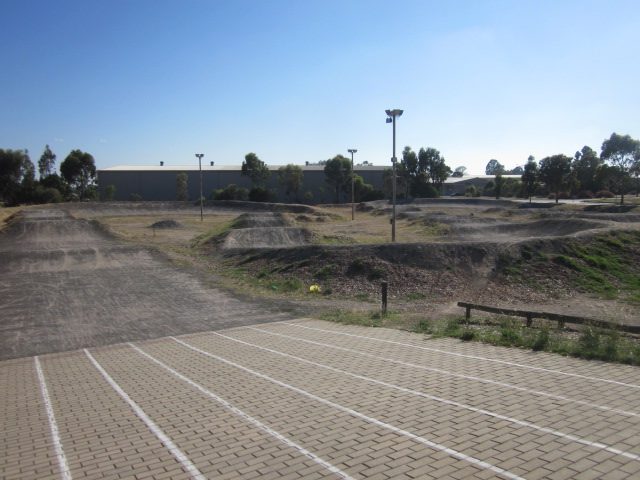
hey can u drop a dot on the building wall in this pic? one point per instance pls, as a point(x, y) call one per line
point(159, 183)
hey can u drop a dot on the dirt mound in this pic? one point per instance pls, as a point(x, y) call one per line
point(505, 231)
point(46, 229)
point(267, 237)
point(265, 230)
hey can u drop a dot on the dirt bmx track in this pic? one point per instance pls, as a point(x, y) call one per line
point(66, 284)
point(158, 376)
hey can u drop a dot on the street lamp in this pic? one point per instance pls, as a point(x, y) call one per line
point(391, 118)
point(200, 155)
point(353, 205)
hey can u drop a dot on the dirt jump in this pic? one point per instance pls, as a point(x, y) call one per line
point(67, 284)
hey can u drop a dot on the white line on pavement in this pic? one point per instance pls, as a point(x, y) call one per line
point(453, 374)
point(473, 357)
point(175, 451)
point(393, 428)
point(62, 459)
point(247, 417)
point(523, 423)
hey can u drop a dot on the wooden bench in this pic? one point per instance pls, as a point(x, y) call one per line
point(560, 318)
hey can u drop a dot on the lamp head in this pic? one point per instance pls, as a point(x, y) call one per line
point(389, 120)
point(394, 113)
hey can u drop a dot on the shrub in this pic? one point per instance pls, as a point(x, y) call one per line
point(259, 194)
point(564, 196)
point(605, 194)
point(232, 192)
point(47, 195)
point(134, 197)
point(584, 194)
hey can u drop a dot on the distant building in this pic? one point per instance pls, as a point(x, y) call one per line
point(158, 183)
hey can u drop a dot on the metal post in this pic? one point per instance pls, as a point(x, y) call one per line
point(384, 297)
point(353, 205)
point(391, 118)
point(200, 155)
point(393, 160)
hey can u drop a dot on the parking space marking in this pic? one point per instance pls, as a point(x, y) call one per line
point(247, 417)
point(454, 453)
point(175, 451)
point(453, 374)
point(556, 433)
point(339, 406)
point(472, 357)
point(55, 436)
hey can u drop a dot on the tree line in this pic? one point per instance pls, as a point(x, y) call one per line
point(587, 175)
point(18, 183)
point(418, 175)
point(339, 177)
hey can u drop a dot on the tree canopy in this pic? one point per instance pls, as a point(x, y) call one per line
point(79, 171)
point(47, 162)
point(290, 177)
point(338, 173)
point(530, 178)
point(494, 167)
point(459, 172)
point(16, 176)
point(257, 171)
point(554, 171)
point(623, 154)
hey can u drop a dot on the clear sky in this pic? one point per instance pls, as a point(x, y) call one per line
point(136, 82)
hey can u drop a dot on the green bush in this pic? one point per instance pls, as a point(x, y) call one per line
point(232, 192)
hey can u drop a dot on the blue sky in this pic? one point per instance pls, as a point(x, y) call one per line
point(137, 82)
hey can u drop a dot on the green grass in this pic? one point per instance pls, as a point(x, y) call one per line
point(606, 265)
point(365, 319)
point(591, 343)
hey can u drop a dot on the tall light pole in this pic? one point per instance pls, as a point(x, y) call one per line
point(200, 155)
point(353, 205)
point(391, 118)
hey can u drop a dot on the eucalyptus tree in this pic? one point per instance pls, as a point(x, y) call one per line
point(622, 153)
point(554, 171)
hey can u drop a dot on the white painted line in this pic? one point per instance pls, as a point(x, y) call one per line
point(453, 374)
point(175, 451)
point(523, 423)
point(375, 421)
point(247, 417)
point(55, 435)
point(473, 357)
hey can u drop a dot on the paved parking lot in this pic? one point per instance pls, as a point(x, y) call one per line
point(311, 399)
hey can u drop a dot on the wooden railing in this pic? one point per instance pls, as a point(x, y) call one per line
point(560, 318)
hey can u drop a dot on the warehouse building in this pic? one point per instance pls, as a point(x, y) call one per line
point(158, 183)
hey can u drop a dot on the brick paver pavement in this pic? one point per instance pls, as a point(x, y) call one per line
point(311, 399)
